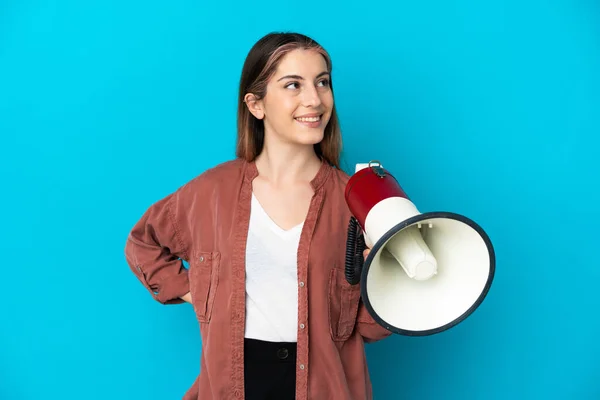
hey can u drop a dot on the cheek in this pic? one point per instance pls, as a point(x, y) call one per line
point(327, 100)
point(287, 107)
point(280, 114)
point(281, 105)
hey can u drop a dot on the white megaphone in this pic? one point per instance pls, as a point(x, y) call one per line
point(426, 272)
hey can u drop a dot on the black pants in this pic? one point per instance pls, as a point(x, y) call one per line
point(269, 370)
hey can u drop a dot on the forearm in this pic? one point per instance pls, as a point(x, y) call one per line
point(155, 250)
point(370, 330)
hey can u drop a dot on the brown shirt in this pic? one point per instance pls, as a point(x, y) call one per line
point(205, 222)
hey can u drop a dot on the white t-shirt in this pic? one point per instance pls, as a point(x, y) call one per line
point(271, 278)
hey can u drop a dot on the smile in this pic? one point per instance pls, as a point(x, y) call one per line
point(309, 119)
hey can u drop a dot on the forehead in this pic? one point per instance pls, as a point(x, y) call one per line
point(302, 62)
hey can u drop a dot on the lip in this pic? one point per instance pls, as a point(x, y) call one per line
point(309, 115)
point(311, 124)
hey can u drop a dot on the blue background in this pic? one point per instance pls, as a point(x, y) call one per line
point(490, 109)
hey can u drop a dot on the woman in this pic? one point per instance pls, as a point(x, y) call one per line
point(264, 236)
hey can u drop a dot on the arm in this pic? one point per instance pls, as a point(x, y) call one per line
point(154, 250)
point(370, 330)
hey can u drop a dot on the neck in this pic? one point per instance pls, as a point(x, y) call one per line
point(283, 165)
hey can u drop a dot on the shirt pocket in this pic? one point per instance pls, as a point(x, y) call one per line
point(204, 280)
point(343, 301)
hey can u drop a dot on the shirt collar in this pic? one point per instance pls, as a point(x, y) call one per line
point(319, 179)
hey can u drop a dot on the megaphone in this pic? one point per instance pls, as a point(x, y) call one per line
point(426, 272)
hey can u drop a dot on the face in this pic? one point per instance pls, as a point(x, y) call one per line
point(299, 101)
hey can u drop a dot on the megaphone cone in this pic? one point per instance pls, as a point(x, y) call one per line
point(426, 272)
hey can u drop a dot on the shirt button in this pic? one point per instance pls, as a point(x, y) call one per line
point(201, 258)
point(301, 284)
point(301, 326)
point(301, 366)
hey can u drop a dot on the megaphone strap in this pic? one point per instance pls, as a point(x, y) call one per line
point(377, 168)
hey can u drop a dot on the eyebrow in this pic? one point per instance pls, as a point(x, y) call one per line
point(299, 77)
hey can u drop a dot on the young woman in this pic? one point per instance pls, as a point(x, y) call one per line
point(264, 235)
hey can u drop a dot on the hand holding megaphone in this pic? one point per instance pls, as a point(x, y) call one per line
point(420, 273)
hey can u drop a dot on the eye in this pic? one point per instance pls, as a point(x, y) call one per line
point(324, 82)
point(290, 84)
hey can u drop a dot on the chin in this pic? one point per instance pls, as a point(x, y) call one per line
point(309, 137)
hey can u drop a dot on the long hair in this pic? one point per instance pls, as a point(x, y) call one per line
point(259, 66)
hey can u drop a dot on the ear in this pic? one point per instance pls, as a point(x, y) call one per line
point(254, 105)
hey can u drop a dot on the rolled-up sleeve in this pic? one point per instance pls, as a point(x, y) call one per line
point(368, 328)
point(154, 251)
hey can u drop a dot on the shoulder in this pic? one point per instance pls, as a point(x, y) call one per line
point(226, 170)
point(335, 189)
point(223, 175)
point(341, 176)
point(338, 178)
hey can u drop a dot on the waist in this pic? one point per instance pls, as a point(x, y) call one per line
point(260, 351)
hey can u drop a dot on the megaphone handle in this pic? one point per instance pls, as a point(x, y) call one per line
point(355, 245)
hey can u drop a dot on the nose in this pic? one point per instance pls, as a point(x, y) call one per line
point(311, 97)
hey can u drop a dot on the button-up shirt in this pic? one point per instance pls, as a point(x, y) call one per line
point(205, 222)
